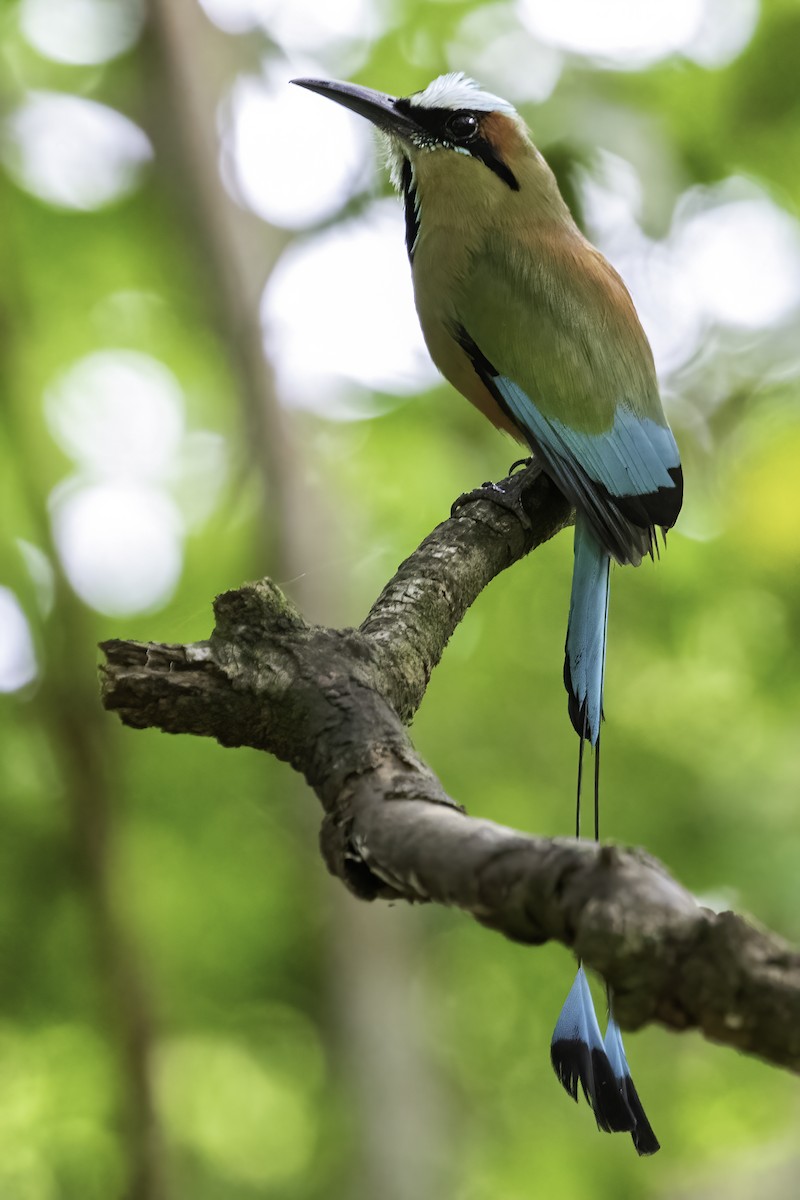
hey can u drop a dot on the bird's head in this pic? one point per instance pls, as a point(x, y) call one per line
point(452, 119)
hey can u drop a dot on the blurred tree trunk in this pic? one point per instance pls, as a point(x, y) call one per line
point(88, 768)
point(85, 751)
point(378, 1041)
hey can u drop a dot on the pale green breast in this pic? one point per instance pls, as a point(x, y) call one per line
point(442, 265)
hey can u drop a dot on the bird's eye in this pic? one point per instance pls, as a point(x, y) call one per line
point(462, 126)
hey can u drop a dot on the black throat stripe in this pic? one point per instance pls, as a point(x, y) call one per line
point(410, 205)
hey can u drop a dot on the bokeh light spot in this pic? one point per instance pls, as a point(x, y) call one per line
point(632, 34)
point(505, 59)
point(726, 28)
point(303, 24)
point(293, 157)
point(121, 544)
point(17, 656)
point(72, 152)
point(740, 254)
point(82, 32)
point(339, 311)
point(42, 575)
point(623, 32)
point(118, 412)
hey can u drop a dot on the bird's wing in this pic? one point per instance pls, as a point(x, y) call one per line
point(557, 341)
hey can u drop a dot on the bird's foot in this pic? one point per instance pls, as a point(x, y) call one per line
point(521, 464)
point(487, 491)
point(495, 494)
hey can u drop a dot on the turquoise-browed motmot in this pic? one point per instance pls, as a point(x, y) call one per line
point(531, 323)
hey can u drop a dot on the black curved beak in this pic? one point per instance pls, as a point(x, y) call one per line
point(377, 107)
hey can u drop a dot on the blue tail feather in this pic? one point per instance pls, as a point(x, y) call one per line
point(644, 1140)
point(579, 1056)
point(585, 651)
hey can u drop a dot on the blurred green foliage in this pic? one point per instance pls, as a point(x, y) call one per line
point(163, 907)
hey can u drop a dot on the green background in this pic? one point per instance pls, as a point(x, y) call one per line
point(189, 1006)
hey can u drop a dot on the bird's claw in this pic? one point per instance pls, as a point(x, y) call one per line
point(487, 491)
point(495, 494)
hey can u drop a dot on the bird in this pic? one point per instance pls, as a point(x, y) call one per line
point(529, 321)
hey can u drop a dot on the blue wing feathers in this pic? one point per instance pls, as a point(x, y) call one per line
point(626, 479)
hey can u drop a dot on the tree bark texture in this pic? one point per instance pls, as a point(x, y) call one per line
point(334, 704)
